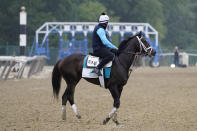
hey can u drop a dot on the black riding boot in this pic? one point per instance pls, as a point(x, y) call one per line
point(97, 71)
point(106, 56)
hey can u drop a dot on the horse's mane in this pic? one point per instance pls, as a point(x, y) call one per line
point(124, 43)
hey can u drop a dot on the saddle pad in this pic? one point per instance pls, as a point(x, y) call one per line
point(93, 61)
point(87, 71)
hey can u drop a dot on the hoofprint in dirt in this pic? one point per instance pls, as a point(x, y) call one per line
point(161, 99)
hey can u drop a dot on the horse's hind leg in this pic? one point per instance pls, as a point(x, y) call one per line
point(64, 101)
point(71, 100)
point(69, 95)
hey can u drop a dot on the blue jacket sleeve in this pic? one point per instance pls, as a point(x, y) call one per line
point(102, 34)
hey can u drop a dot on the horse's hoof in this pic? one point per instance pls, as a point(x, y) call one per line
point(78, 116)
point(106, 120)
point(64, 115)
point(117, 123)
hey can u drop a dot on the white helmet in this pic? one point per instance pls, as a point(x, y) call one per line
point(103, 18)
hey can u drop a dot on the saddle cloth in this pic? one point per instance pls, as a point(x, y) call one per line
point(93, 61)
point(90, 62)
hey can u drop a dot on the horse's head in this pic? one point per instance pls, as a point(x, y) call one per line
point(136, 44)
point(144, 47)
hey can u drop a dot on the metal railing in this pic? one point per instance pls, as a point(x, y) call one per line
point(17, 64)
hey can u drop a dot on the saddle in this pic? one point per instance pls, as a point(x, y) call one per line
point(90, 62)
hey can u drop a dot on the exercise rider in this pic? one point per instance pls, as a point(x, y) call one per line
point(102, 47)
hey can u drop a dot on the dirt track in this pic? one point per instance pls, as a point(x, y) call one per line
point(160, 99)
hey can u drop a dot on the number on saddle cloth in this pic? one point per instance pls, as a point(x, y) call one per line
point(90, 62)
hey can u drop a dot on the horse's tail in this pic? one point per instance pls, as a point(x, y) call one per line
point(56, 80)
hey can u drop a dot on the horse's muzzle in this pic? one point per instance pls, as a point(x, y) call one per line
point(151, 52)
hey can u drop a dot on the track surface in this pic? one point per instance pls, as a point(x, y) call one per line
point(161, 99)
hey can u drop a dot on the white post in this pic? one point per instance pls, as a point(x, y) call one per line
point(185, 58)
point(22, 37)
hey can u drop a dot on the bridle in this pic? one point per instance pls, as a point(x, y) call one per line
point(147, 50)
point(142, 46)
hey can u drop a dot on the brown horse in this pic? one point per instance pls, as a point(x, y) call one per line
point(70, 68)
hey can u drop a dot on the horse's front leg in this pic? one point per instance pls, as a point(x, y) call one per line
point(115, 92)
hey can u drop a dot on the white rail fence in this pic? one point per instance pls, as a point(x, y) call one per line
point(14, 67)
point(185, 58)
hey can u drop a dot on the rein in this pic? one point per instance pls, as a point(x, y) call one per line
point(132, 65)
point(136, 54)
point(133, 53)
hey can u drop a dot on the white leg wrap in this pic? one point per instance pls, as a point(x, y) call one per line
point(63, 107)
point(75, 109)
point(63, 112)
point(112, 112)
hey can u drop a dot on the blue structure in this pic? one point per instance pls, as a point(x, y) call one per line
point(72, 45)
point(65, 47)
point(157, 49)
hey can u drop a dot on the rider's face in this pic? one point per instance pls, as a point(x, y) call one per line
point(105, 25)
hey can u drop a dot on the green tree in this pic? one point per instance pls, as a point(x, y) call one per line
point(9, 23)
point(36, 15)
point(180, 21)
point(176, 20)
point(121, 8)
point(150, 11)
point(90, 11)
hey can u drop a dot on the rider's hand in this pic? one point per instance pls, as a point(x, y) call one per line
point(115, 51)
